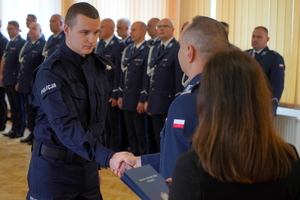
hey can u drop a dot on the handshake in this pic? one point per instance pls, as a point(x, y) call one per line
point(122, 161)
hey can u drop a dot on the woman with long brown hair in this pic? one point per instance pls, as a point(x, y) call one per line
point(237, 152)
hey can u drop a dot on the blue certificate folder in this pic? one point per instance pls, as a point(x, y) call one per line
point(146, 183)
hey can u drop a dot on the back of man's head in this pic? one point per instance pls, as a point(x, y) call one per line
point(82, 8)
point(206, 35)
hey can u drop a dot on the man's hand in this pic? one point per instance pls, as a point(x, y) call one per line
point(122, 161)
point(114, 102)
point(17, 87)
point(140, 108)
point(99, 176)
point(116, 160)
point(145, 106)
point(120, 101)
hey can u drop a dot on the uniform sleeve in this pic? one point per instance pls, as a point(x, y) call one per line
point(177, 134)
point(185, 179)
point(118, 71)
point(276, 77)
point(146, 78)
point(121, 83)
point(152, 159)
point(57, 105)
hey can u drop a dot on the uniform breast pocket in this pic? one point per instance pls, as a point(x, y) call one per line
point(165, 64)
point(77, 90)
point(137, 63)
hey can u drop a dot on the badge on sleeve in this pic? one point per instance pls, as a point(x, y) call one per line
point(178, 123)
point(281, 65)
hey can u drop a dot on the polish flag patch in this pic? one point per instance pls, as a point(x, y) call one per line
point(178, 123)
point(281, 66)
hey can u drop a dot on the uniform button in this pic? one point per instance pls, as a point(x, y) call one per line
point(152, 89)
point(169, 95)
point(126, 87)
point(154, 65)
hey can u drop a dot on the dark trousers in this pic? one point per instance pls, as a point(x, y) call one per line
point(30, 115)
point(158, 122)
point(50, 178)
point(135, 125)
point(3, 109)
point(16, 109)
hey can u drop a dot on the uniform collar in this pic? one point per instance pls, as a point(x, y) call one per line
point(139, 44)
point(108, 40)
point(193, 82)
point(14, 38)
point(73, 56)
point(167, 42)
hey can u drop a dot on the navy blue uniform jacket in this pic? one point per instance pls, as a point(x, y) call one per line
point(31, 58)
point(166, 84)
point(53, 43)
point(12, 64)
point(3, 42)
point(133, 70)
point(113, 52)
point(128, 41)
point(69, 95)
point(178, 131)
point(273, 65)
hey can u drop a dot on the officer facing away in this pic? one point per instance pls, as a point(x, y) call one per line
point(69, 95)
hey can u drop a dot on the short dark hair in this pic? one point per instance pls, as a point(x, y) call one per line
point(262, 27)
point(206, 35)
point(33, 16)
point(224, 24)
point(14, 23)
point(83, 8)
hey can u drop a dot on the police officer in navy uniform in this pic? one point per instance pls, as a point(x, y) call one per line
point(134, 63)
point(10, 73)
point(163, 83)
point(29, 19)
point(182, 119)
point(54, 41)
point(153, 32)
point(3, 106)
point(271, 62)
point(30, 58)
point(111, 48)
point(69, 95)
point(123, 29)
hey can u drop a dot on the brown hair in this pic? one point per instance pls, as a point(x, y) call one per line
point(83, 8)
point(235, 139)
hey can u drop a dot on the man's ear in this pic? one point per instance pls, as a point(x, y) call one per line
point(67, 29)
point(191, 52)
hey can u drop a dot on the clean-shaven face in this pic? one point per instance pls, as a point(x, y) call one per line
point(83, 36)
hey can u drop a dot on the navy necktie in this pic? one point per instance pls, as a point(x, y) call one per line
point(133, 50)
point(162, 47)
point(101, 47)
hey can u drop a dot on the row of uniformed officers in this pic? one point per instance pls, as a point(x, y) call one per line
point(145, 77)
